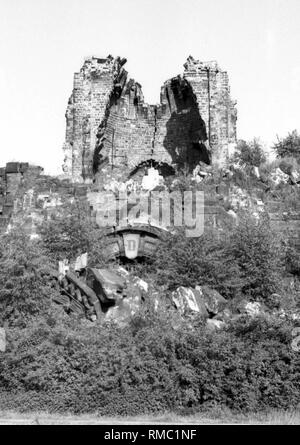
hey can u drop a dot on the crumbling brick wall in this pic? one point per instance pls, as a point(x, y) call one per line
point(12, 178)
point(86, 110)
point(211, 87)
point(108, 122)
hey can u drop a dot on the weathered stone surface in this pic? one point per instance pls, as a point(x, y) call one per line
point(12, 176)
point(224, 315)
point(130, 302)
point(200, 302)
point(277, 176)
point(253, 308)
point(256, 172)
point(214, 324)
point(2, 340)
point(124, 310)
point(188, 300)
point(295, 177)
point(214, 302)
point(141, 284)
point(232, 214)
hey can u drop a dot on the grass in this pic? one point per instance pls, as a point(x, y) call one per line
point(274, 417)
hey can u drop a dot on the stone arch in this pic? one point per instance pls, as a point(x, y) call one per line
point(144, 238)
point(163, 168)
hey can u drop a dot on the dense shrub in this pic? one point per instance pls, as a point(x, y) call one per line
point(260, 257)
point(183, 261)
point(292, 259)
point(249, 154)
point(288, 196)
point(247, 259)
point(163, 365)
point(25, 289)
point(288, 146)
point(70, 232)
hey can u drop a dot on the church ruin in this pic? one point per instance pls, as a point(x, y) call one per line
point(108, 124)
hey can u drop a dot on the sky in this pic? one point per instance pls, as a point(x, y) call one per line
point(43, 42)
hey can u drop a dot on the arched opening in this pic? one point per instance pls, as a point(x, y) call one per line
point(164, 169)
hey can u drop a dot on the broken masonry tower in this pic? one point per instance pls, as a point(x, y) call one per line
point(108, 124)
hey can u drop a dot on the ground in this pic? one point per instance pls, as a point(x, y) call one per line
point(270, 418)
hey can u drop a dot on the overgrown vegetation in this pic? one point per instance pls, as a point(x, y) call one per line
point(25, 291)
point(158, 362)
point(71, 231)
point(249, 154)
point(157, 366)
point(288, 146)
point(246, 260)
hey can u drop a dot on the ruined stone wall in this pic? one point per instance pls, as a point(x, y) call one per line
point(136, 132)
point(211, 87)
point(85, 112)
point(129, 134)
point(12, 178)
point(108, 122)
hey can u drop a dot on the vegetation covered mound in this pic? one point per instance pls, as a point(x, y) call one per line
point(160, 361)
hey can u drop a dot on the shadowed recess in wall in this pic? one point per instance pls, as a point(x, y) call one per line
point(186, 135)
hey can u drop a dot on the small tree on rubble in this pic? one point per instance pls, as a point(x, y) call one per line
point(249, 154)
point(25, 289)
point(70, 232)
point(288, 146)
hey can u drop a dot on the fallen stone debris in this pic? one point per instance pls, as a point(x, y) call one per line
point(103, 294)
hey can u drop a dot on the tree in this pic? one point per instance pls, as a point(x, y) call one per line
point(70, 232)
point(246, 261)
point(25, 289)
point(206, 260)
point(288, 146)
point(249, 154)
point(257, 249)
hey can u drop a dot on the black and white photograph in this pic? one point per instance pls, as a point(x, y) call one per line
point(149, 215)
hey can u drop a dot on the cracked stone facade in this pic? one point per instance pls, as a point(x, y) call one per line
point(108, 123)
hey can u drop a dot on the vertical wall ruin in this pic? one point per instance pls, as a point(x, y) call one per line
point(109, 124)
point(85, 112)
point(211, 87)
point(12, 178)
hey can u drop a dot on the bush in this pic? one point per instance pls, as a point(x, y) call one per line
point(183, 261)
point(25, 289)
point(292, 259)
point(161, 366)
point(246, 260)
point(70, 232)
point(259, 255)
point(249, 154)
point(288, 146)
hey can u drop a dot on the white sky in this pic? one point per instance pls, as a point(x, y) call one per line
point(43, 42)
